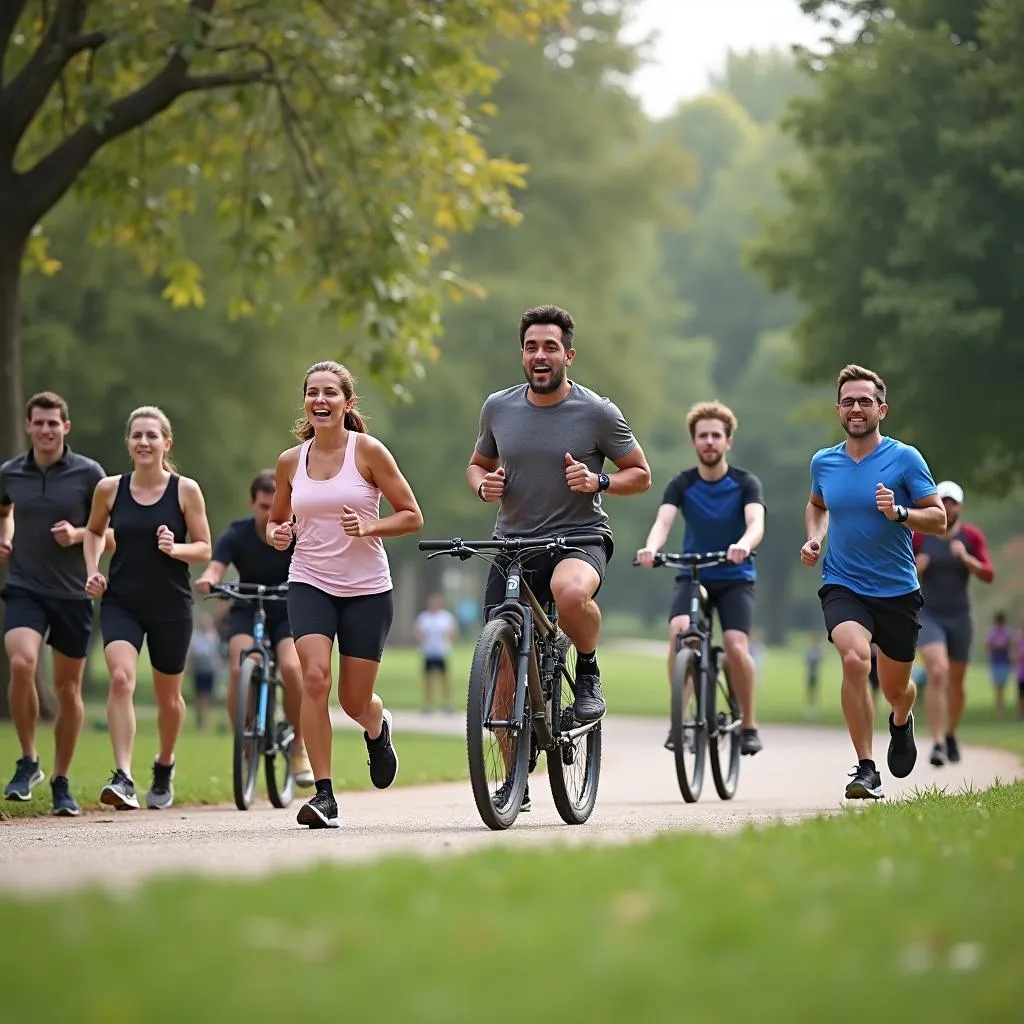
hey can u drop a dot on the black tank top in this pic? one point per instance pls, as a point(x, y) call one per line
point(142, 578)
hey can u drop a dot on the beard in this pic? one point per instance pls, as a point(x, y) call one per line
point(711, 459)
point(555, 380)
point(861, 429)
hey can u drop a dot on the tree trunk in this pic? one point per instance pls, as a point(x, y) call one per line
point(12, 249)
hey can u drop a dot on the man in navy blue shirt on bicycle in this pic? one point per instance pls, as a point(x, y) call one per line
point(868, 494)
point(723, 507)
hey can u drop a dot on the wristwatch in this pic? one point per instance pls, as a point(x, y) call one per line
point(603, 481)
point(902, 515)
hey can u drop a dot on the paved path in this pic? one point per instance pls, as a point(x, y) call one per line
point(801, 772)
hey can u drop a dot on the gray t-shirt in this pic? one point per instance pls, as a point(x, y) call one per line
point(530, 441)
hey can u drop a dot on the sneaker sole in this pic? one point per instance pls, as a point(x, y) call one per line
point(155, 804)
point(111, 798)
point(24, 798)
point(858, 791)
point(937, 762)
point(66, 812)
point(314, 819)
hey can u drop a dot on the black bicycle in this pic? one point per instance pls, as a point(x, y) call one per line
point(261, 729)
point(705, 714)
point(521, 693)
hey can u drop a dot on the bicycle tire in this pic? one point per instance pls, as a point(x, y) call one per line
point(496, 636)
point(685, 669)
point(571, 810)
point(248, 737)
point(727, 780)
point(278, 755)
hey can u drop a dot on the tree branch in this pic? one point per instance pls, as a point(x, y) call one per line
point(10, 12)
point(219, 79)
point(62, 41)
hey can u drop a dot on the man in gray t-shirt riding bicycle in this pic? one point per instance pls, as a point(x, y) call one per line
point(540, 452)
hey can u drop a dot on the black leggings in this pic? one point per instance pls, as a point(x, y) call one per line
point(167, 640)
point(360, 623)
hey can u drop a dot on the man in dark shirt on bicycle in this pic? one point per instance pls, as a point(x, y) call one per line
point(244, 545)
point(723, 507)
point(540, 452)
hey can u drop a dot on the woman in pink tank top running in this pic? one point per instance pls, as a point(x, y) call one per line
point(339, 585)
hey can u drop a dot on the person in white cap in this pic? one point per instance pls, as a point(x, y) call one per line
point(945, 565)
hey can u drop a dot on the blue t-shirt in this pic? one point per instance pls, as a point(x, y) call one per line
point(714, 514)
point(867, 553)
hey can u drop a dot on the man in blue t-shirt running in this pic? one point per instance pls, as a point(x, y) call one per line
point(867, 495)
point(723, 507)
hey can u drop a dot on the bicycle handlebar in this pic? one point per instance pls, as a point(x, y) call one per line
point(250, 591)
point(457, 546)
point(676, 558)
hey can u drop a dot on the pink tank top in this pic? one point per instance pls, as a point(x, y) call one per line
point(325, 556)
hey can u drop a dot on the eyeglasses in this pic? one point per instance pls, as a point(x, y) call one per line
point(862, 402)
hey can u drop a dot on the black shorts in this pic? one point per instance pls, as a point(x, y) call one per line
point(241, 622)
point(360, 623)
point(539, 567)
point(167, 640)
point(435, 665)
point(893, 622)
point(732, 599)
point(66, 622)
point(203, 680)
point(954, 632)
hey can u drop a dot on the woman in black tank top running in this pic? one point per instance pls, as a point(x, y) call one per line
point(152, 511)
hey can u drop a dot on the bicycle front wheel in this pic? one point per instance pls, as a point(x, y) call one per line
point(248, 734)
point(724, 715)
point(277, 760)
point(689, 734)
point(497, 748)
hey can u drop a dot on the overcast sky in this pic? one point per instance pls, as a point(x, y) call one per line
point(695, 36)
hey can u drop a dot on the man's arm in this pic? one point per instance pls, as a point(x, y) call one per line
point(978, 562)
point(753, 515)
point(661, 527)
point(928, 517)
point(6, 524)
point(633, 476)
point(816, 518)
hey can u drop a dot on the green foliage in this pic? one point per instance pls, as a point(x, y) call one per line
point(341, 142)
point(899, 235)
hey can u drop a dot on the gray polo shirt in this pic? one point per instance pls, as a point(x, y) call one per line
point(42, 497)
point(531, 442)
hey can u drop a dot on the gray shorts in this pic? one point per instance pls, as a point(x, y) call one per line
point(955, 631)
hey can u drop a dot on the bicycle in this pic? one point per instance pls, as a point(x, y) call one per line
point(261, 730)
point(700, 679)
point(538, 715)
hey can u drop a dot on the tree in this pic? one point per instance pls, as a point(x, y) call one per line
point(341, 138)
point(762, 82)
point(899, 233)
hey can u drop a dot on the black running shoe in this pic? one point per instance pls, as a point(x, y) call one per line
point(119, 792)
point(938, 758)
point(64, 804)
point(502, 794)
point(750, 742)
point(589, 705)
point(27, 775)
point(161, 792)
point(865, 784)
point(902, 754)
point(319, 812)
point(952, 750)
point(383, 760)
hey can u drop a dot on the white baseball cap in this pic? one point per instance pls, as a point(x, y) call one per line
point(948, 489)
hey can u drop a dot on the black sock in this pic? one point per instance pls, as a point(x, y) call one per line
point(324, 786)
point(587, 663)
point(866, 762)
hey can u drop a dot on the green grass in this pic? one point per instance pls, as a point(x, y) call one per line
point(902, 912)
point(204, 763)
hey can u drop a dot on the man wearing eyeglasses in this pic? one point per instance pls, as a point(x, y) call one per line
point(867, 494)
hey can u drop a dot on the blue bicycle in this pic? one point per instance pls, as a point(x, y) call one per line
point(261, 729)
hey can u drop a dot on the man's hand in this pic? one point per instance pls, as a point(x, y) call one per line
point(578, 477)
point(492, 487)
point(810, 552)
point(6, 547)
point(958, 549)
point(645, 557)
point(63, 533)
point(203, 584)
point(737, 554)
point(885, 502)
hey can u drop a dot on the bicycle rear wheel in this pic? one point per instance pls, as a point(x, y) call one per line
point(689, 736)
point(277, 760)
point(574, 766)
point(498, 754)
point(724, 714)
point(248, 733)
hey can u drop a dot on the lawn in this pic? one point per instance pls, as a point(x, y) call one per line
point(912, 911)
point(203, 775)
